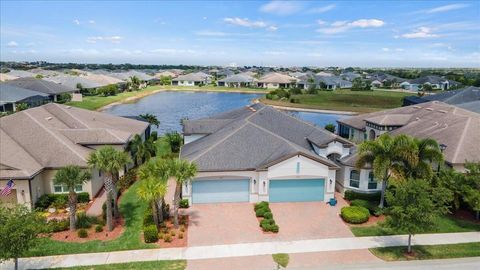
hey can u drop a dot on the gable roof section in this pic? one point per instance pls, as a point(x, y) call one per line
point(254, 137)
point(39, 85)
point(10, 93)
point(53, 136)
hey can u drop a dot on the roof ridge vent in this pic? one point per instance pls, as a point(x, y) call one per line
point(429, 109)
point(49, 118)
point(442, 111)
point(417, 107)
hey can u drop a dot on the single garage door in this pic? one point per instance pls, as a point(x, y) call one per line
point(217, 191)
point(297, 190)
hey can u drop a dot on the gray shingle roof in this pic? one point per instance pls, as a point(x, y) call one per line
point(41, 85)
point(10, 93)
point(238, 78)
point(72, 81)
point(196, 77)
point(253, 137)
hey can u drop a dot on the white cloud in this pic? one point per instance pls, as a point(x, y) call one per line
point(245, 22)
point(112, 39)
point(173, 51)
point(272, 28)
point(342, 26)
point(282, 7)
point(446, 8)
point(321, 22)
point(322, 9)
point(386, 49)
point(421, 32)
point(205, 18)
point(91, 22)
point(207, 33)
point(12, 44)
point(76, 21)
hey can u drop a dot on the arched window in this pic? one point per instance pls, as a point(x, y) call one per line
point(354, 179)
point(372, 182)
point(371, 135)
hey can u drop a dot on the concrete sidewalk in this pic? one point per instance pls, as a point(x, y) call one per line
point(241, 250)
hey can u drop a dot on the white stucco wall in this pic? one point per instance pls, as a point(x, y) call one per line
point(333, 147)
point(343, 180)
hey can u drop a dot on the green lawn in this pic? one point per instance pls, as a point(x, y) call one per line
point(96, 102)
point(428, 252)
point(346, 100)
point(215, 88)
point(153, 265)
point(162, 147)
point(132, 210)
point(444, 225)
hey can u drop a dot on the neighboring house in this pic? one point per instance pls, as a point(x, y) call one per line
point(276, 80)
point(436, 82)
point(297, 74)
point(35, 143)
point(144, 77)
point(257, 153)
point(192, 79)
point(225, 73)
point(380, 79)
point(327, 82)
point(44, 72)
point(11, 95)
point(21, 73)
point(165, 73)
point(457, 129)
point(325, 74)
point(238, 80)
point(350, 76)
point(7, 77)
point(75, 81)
point(103, 79)
point(466, 98)
point(53, 90)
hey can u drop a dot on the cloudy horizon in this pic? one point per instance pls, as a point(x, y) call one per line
point(262, 33)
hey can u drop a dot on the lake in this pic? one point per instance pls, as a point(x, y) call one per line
point(171, 106)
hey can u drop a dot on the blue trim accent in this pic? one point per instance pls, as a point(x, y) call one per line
point(297, 190)
point(298, 167)
point(218, 191)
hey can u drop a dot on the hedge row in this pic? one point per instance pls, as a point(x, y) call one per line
point(262, 209)
point(353, 195)
point(59, 200)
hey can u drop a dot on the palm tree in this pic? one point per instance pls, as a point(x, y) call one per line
point(151, 119)
point(135, 82)
point(183, 171)
point(428, 151)
point(71, 176)
point(386, 154)
point(108, 160)
point(174, 139)
point(140, 150)
point(153, 188)
point(118, 162)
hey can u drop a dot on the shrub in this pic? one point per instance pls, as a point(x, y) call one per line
point(127, 180)
point(370, 205)
point(167, 238)
point(274, 228)
point(184, 203)
point(150, 234)
point(262, 204)
point(266, 222)
point(59, 200)
point(83, 221)
point(55, 225)
point(82, 233)
point(352, 195)
point(268, 215)
point(172, 233)
point(182, 228)
point(295, 91)
point(180, 236)
point(355, 214)
point(148, 217)
point(261, 212)
point(295, 100)
point(99, 228)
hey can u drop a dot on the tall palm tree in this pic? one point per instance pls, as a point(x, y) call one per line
point(118, 162)
point(150, 118)
point(141, 150)
point(386, 154)
point(106, 160)
point(174, 139)
point(428, 151)
point(135, 82)
point(182, 171)
point(71, 176)
point(153, 188)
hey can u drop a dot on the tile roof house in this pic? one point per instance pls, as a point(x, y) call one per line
point(191, 79)
point(328, 82)
point(276, 80)
point(258, 153)
point(467, 97)
point(436, 82)
point(102, 79)
point(35, 143)
point(237, 80)
point(71, 81)
point(11, 95)
point(44, 86)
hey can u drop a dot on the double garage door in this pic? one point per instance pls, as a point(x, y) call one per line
point(237, 190)
point(218, 191)
point(297, 190)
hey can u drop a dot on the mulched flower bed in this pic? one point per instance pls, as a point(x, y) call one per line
point(169, 229)
point(68, 236)
point(373, 220)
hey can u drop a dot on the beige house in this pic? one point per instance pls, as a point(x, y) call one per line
point(276, 80)
point(35, 143)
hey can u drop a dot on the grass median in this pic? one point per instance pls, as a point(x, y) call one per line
point(428, 252)
point(153, 265)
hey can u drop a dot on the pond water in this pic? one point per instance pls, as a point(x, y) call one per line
point(170, 107)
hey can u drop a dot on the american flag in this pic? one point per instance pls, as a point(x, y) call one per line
point(7, 189)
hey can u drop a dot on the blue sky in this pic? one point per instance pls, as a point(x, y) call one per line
point(279, 33)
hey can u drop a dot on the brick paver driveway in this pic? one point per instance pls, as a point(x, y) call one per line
point(230, 223)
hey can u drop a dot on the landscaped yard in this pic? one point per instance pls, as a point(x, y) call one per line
point(153, 265)
point(444, 225)
point(132, 210)
point(346, 100)
point(428, 252)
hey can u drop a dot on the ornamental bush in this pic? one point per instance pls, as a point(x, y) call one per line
point(82, 233)
point(262, 204)
point(184, 203)
point(268, 215)
point(59, 200)
point(55, 225)
point(150, 234)
point(352, 195)
point(266, 222)
point(261, 212)
point(83, 221)
point(355, 214)
point(99, 228)
point(371, 206)
point(148, 217)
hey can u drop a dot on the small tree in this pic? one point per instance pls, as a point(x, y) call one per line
point(165, 80)
point(182, 171)
point(174, 139)
point(427, 87)
point(19, 227)
point(281, 259)
point(414, 207)
point(135, 83)
point(21, 106)
point(150, 118)
point(330, 127)
point(71, 176)
point(471, 189)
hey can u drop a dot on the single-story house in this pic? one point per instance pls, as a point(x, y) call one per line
point(7, 77)
point(103, 79)
point(469, 96)
point(44, 72)
point(257, 153)
point(11, 95)
point(238, 80)
point(48, 87)
point(191, 79)
point(328, 82)
point(144, 77)
point(276, 80)
point(35, 143)
point(165, 73)
point(457, 129)
point(436, 82)
point(75, 81)
point(350, 76)
point(21, 73)
point(380, 79)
